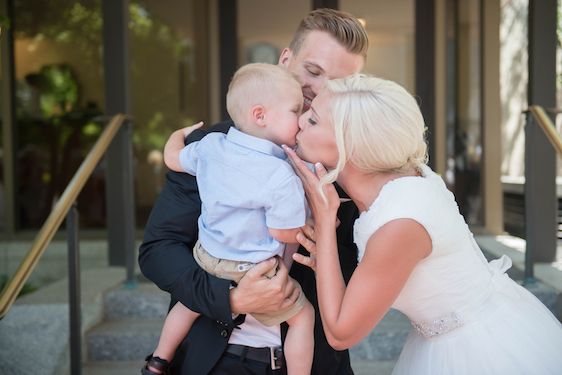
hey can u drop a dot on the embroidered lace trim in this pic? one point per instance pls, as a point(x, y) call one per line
point(439, 326)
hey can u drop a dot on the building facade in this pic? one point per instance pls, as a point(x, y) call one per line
point(465, 61)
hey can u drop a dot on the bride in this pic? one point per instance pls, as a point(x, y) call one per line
point(416, 252)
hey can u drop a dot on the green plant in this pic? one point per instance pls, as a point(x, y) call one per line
point(27, 288)
point(4, 22)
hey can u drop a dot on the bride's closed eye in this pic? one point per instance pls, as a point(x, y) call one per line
point(311, 121)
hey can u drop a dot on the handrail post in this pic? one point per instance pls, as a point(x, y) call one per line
point(74, 303)
point(529, 276)
point(129, 208)
point(540, 157)
point(120, 180)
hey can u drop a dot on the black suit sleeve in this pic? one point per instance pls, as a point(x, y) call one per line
point(165, 255)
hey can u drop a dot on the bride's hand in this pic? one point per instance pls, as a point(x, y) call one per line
point(324, 208)
point(307, 240)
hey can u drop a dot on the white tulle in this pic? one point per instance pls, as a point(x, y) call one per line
point(471, 318)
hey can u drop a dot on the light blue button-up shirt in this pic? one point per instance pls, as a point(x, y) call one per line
point(246, 186)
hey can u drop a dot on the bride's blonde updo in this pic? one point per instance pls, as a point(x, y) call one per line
point(378, 126)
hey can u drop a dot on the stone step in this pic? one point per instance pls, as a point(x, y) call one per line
point(385, 342)
point(127, 339)
point(364, 367)
point(139, 336)
point(112, 368)
point(145, 300)
point(360, 367)
point(132, 337)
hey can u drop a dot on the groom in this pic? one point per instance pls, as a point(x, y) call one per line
point(328, 44)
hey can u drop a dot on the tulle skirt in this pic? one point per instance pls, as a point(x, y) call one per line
point(512, 333)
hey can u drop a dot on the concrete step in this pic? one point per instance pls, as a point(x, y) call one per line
point(127, 339)
point(128, 368)
point(385, 342)
point(143, 301)
point(112, 368)
point(372, 367)
point(134, 318)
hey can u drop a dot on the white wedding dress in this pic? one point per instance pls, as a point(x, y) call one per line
point(469, 316)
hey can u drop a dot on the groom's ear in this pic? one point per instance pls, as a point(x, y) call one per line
point(258, 115)
point(285, 57)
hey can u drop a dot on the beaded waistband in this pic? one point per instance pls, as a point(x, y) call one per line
point(439, 326)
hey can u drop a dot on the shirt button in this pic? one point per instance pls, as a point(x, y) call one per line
point(224, 333)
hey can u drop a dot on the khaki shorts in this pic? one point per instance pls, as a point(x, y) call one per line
point(234, 270)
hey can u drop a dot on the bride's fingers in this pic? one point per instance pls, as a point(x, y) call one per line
point(300, 166)
point(307, 243)
point(308, 231)
point(320, 170)
point(305, 261)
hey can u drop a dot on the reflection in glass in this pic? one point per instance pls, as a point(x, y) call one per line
point(59, 90)
point(261, 39)
point(168, 78)
point(391, 28)
point(464, 119)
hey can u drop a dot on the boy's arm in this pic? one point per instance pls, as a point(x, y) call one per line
point(285, 235)
point(175, 144)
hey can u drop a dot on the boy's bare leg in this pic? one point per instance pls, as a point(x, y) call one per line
point(290, 249)
point(176, 326)
point(299, 343)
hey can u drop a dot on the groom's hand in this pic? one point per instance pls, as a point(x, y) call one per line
point(256, 293)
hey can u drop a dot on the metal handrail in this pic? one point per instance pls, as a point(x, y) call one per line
point(53, 222)
point(547, 127)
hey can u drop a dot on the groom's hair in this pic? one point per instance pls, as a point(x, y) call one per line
point(342, 26)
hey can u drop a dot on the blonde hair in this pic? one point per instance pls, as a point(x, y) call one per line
point(342, 26)
point(378, 126)
point(254, 84)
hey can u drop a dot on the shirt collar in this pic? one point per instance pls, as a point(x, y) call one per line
point(254, 143)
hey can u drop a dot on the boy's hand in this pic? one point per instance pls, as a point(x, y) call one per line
point(175, 144)
point(191, 128)
point(257, 293)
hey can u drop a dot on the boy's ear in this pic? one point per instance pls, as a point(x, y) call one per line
point(258, 115)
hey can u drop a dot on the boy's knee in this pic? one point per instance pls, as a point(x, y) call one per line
point(305, 317)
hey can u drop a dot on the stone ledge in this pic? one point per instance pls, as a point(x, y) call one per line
point(34, 334)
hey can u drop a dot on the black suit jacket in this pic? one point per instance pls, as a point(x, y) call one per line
point(165, 258)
